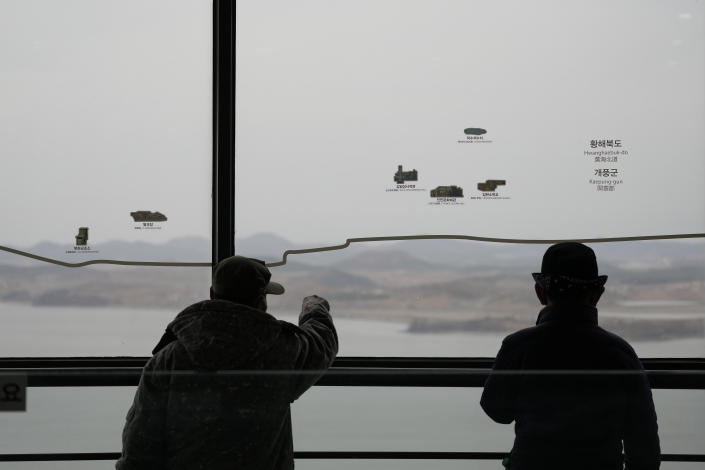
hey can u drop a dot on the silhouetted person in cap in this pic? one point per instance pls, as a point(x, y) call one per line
point(577, 393)
point(216, 392)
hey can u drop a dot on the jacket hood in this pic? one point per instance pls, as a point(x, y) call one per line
point(218, 334)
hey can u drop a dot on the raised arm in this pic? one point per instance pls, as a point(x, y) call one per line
point(315, 343)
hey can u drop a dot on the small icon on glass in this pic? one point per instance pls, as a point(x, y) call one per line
point(82, 237)
point(401, 176)
point(148, 216)
point(490, 185)
point(447, 191)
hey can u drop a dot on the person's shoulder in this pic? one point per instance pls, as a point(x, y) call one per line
point(616, 341)
point(523, 336)
point(155, 372)
point(224, 309)
point(219, 305)
point(289, 328)
point(173, 356)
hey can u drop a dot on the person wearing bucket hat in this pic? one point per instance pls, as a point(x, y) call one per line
point(577, 393)
point(216, 392)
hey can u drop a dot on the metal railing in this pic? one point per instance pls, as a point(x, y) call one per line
point(347, 371)
point(663, 373)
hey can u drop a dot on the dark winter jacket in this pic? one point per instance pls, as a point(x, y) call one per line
point(578, 394)
point(218, 395)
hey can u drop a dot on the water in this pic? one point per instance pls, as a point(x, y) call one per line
point(78, 331)
point(90, 419)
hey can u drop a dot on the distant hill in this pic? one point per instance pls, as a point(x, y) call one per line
point(332, 278)
point(184, 249)
point(383, 259)
point(375, 280)
point(265, 246)
point(413, 254)
point(645, 253)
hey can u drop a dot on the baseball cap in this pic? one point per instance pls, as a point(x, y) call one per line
point(238, 277)
point(569, 263)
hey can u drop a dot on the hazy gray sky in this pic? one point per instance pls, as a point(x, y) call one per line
point(105, 108)
point(333, 95)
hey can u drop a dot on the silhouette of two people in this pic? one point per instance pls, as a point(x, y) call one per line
point(216, 392)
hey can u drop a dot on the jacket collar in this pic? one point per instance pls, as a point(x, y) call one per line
point(568, 314)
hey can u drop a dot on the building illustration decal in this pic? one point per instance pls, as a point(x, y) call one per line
point(490, 185)
point(82, 237)
point(447, 191)
point(400, 176)
point(148, 216)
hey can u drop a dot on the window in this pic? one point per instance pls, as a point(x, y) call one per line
point(106, 145)
point(384, 120)
point(495, 122)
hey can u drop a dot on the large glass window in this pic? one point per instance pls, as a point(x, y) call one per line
point(358, 120)
point(512, 120)
point(504, 122)
point(105, 137)
point(518, 121)
point(460, 298)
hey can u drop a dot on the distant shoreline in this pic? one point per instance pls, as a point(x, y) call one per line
point(635, 329)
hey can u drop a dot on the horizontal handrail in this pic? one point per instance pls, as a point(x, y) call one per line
point(694, 363)
point(663, 373)
point(328, 455)
point(688, 373)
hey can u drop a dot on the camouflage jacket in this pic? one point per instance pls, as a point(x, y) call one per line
point(217, 396)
